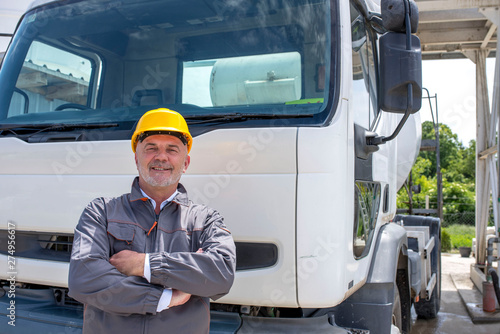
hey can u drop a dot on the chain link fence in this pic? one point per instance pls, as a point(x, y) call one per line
point(459, 218)
point(462, 211)
point(462, 218)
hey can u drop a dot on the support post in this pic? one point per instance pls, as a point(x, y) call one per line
point(496, 111)
point(482, 172)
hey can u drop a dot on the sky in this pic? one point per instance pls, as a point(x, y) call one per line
point(452, 80)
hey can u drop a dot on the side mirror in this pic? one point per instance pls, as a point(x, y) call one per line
point(400, 64)
point(398, 68)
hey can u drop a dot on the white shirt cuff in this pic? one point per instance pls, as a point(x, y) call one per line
point(147, 269)
point(165, 299)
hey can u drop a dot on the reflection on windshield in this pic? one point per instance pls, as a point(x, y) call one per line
point(248, 80)
point(50, 78)
point(203, 58)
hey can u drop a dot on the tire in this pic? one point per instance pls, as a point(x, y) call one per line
point(428, 309)
point(397, 319)
point(401, 307)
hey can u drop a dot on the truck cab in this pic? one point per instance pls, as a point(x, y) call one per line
point(282, 99)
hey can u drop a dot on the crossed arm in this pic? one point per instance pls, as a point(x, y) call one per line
point(131, 263)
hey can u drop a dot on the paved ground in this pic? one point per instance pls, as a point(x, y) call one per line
point(457, 291)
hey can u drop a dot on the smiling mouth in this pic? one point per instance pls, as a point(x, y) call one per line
point(161, 169)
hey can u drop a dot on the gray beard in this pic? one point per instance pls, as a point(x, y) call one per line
point(173, 179)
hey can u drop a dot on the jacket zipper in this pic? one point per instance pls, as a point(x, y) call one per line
point(148, 243)
point(154, 229)
point(154, 224)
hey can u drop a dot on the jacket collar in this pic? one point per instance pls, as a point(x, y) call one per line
point(136, 195)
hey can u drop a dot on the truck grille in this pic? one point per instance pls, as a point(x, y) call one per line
point(57, 247)
point(39, 245)
point(57, 243)
point(62, 299)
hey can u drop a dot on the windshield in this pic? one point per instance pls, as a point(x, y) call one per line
point(110, 61)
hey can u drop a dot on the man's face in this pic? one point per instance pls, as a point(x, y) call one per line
point(161, 160)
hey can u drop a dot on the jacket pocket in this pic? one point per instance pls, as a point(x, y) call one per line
point(121, 236)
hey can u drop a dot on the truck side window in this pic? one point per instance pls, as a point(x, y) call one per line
point(363, 99)
point(49, 79)
point(366, 204)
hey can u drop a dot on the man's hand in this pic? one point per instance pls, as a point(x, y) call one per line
point(178, 298)
point(129, 262)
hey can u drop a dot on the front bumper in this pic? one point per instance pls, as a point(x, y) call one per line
point(37, 311)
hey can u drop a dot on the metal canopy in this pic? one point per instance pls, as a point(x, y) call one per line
point(449, 27)
point(468, 28)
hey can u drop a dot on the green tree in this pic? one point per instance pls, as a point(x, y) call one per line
point(458, 197)
point(469, 161)
point(451, 151)
point(458, 172)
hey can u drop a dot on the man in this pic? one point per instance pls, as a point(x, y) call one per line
point(148, 261)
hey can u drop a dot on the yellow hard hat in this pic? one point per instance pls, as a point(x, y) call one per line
point(162, 121)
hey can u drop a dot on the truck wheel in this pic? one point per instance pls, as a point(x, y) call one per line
point(401, 307)
point(397, 319)
point(428, 309)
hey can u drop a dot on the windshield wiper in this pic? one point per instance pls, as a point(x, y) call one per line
point(54, 126)
point(238, 117)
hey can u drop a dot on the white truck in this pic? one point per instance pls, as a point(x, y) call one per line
point(296, 110)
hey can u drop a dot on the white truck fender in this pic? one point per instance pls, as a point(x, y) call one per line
point(391, 241)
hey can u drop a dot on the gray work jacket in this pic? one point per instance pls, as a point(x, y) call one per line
point(116, 303)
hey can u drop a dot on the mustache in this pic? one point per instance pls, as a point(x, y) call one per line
point(159, 164)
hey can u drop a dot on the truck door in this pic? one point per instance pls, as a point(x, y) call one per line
point(363, 106)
